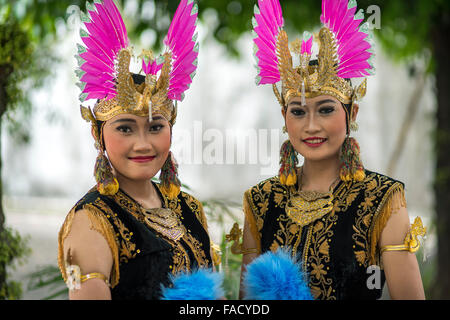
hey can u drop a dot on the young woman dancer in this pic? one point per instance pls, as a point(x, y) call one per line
point(342, 222)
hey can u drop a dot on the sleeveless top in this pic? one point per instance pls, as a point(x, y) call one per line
point(146, 248)
point(336, 250)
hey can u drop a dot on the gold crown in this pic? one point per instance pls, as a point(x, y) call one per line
point(309, 81)
point(145, 99)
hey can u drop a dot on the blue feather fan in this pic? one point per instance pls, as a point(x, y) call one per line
point(275, 276)
point(201, 284)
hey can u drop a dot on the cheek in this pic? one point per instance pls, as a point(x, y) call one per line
point(337, 127)
point(162, 141)
point(293, 125)
point(115, 144)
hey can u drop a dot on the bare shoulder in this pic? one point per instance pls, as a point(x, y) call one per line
point(87, 247)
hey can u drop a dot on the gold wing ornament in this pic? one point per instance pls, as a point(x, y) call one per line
point(326, 58)
point(289, 77)
point(126, 91)
point(159, 99)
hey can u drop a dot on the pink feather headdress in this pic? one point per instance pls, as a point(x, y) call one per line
point(345, 51)
point(104, 64)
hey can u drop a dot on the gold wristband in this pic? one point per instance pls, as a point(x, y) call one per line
point(94, 275)
point(75, 278)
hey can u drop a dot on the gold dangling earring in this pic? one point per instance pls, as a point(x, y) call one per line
point(107, 184)
point(284, 129)
point(170, 184)
point(351, 164)
point(288, 164)
point(353, 126)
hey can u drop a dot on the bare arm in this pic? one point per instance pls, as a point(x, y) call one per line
point(248, 242)
point(401, 267)
point(90, 251)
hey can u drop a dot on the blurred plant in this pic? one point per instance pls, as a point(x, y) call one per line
point(48, 278)
point(231, 267)
point(13, 248)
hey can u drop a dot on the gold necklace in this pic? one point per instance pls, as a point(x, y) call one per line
point(305, 207)
point(164, 221)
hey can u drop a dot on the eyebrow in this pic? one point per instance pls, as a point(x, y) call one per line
point(134, 121)
point(318, 103)
point(324, 101)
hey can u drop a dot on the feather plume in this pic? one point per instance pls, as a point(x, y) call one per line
point(275, 276)
point(267, 23)
point(201, 284)
point(352, 40)
point(306, 47)
point(181, 41)
point(106, 35)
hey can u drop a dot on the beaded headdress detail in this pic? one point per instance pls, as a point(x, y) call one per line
point(104, 73)
point(345, 52)
point(104, 64)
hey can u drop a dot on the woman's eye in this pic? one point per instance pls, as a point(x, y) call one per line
point(297, 112)
point(326, 110)
point(124, 129)
point(156, 127)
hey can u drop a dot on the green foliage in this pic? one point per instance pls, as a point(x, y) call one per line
point(231, 267)
point(13, 248)
point(22, 68)
point(15, 54)
point(48, 278)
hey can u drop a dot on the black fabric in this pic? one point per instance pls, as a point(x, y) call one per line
point(142, 276)
point(336, 246)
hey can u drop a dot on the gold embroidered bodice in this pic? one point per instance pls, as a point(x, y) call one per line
point(146, 245)
point(335, 248)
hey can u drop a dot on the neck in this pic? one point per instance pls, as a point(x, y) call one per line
point(143, 191)
point(319, 175)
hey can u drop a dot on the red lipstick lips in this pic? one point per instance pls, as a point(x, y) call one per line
point(142, 159)
point(314, 142)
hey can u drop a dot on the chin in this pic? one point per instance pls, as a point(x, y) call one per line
point(144, 176)
point(316, 155)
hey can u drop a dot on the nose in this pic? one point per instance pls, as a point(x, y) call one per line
point(142, 144)
point(312, 125)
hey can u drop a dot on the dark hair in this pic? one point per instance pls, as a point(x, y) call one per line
point(138, 78)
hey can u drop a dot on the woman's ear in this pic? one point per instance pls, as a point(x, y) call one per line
point(355, 111)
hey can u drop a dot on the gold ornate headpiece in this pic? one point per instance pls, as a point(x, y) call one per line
point(104, 65)
point(104, 73)
point(344, 53)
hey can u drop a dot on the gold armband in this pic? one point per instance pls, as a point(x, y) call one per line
point(411, 242)
point(75, 278)
point(216, 254)
point(235, 236)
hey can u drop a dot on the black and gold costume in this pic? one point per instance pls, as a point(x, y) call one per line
point(336, 249)
point(146, 245)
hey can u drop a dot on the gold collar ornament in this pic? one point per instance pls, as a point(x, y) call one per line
point(305, 207)
point(164, 221)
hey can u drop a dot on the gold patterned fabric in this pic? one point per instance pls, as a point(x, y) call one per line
point(146, 245)
point(335, 248)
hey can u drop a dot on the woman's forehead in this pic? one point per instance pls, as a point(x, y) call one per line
point(315, 100)
point(135, 118)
